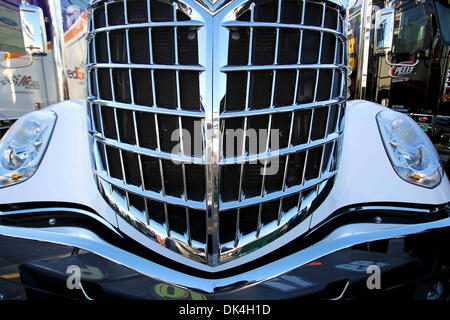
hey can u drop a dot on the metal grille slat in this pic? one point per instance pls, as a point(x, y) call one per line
point(191, 23)
point(146, 66)
point(272, 97)
point(280, 25)
point(155, 110)
point(278, 67)
point(247, 102)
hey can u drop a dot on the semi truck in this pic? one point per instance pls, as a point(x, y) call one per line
point(399, 54)
point(33, 79)
point(215, 156)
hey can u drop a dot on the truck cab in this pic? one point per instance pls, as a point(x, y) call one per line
point(33, 79)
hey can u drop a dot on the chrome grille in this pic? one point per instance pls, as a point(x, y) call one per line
point(156, 66)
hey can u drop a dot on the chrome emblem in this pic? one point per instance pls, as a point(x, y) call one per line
point(213, 6)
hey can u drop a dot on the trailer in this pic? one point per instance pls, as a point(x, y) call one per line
point(32, 80)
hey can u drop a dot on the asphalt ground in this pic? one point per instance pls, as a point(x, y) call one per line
point(14, 252)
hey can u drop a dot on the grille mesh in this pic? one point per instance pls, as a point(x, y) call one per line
point(284, 71)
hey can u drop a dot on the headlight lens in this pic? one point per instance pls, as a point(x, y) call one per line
point(23, 146)
point(412, 154)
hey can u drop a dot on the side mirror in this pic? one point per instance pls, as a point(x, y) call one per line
point(384, 30)
point(33, 29)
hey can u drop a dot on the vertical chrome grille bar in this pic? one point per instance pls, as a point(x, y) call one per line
point(100, 107)
point(322, 24)
point(104, 146)
point(188, 228)
point(141, 172)
point(125, 12)
point(331, 157)
point(297, 76)
point(247, 105)
point(180, 126)
point(319, 55)
point(136, 135)
point(163, 188)
point(323, 147)
point(109, 57)
point(177, 80)
point(158, 142)
point(124, 179)
point(150, 53)
point(330, 97)
point(269, 133)
point(300, 45)
point(309, 140)
point(108, 45)
point(338, 125)
point(88, 79)
point(286, 168)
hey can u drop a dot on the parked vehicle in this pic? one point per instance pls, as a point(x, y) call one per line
point(216, 156)
point(400, 59)
point(32, 79)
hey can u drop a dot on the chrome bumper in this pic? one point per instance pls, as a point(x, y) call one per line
point(83, 229)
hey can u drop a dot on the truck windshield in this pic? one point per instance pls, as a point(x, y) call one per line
point(410, 27)
point(10, 30)
point(443, 17)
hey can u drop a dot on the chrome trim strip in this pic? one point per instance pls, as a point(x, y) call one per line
point(148, 152)
point(280, 67)
point(275, 195)
point(149, 109)
point(191, 23)
point(162, 197)
point(62, 209)
point(145, 66)
point(280, 25)
point(390, 208)
point(341, 295)
point(282, 152)
point(212, 143)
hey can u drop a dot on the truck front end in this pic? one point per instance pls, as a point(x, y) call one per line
point(216, 154)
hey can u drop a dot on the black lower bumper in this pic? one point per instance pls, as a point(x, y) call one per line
point(410, 268)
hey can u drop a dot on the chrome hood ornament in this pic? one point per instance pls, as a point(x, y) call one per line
point(213, 6)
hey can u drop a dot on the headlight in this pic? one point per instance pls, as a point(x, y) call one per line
point(24, 145)
point(412, 154)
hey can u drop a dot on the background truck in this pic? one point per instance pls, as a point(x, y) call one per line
point(399, 54)
point(31, 81)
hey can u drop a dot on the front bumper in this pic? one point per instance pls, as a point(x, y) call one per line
point(395, 237)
